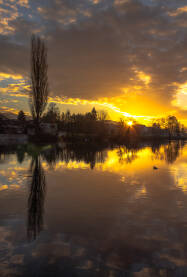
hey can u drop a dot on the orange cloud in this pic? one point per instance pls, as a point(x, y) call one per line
point(95, 2)
point(6, 16)
point(178, 11)
point(4, 76)
point(23, 3)
point(18, 87)
point(9, 110)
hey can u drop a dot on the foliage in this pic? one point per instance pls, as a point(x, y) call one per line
point(91, 123)
point(39, 79)
point(21, 116)
point(52, 115)
point(170, 124)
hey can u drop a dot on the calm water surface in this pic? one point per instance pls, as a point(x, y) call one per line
point(83, 212)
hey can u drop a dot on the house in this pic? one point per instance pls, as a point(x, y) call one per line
point(11, 126)
point(45, 128)
point(49, 128)
point(12, 131)
point(144, 131)
point(112, 127)
point(30, 128)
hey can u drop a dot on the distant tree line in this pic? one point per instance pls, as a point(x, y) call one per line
point(90, 123)
point(170, 124)
point(96, 125)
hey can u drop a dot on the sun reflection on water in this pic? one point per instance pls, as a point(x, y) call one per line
point(122, 161)
point(112, 201)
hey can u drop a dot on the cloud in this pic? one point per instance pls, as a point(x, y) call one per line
point(181, 96)
point(131, 53)
point(23, 3)
point(95, 58)
point(7, 14)
point(178, 11)
point(4, 76)
point(6, 109)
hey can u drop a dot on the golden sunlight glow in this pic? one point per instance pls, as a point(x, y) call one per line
point(125, 105)
point(116, 106)
point(180, 176)
point(181, 96)
point(110, 105)
point(129, 123)
point(144, 77)
point(132, 167)
point(128, 164)
point(4, 76)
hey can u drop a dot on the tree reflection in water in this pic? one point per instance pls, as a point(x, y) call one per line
point(53, 154)
point(168, 152)
point(37, 187)
point(70, 153)
point(172, 151)
point(159, 227)
point(127, 155)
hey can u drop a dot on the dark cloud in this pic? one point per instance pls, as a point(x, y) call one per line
point(96, 48)
point(14, 57)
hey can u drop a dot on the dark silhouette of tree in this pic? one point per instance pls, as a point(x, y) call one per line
point(21, 116)
point(20, 155)
point(171, 124)
point(122, 128)
point(52, 155)
point(37, 187)
point(103, 116)
point(172, 151)
point(127, 155)
point(156, 129)
point(94, 114)
point(169, 152)
point(39, 79)
point(90, 155)
point(52, 115)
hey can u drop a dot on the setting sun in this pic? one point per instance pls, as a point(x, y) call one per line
point(129, 123)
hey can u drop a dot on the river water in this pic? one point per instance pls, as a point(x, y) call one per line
point(83, 211)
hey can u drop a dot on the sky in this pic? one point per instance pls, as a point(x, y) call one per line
point(128, 57)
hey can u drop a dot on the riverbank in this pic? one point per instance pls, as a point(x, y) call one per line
point(84, 140)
